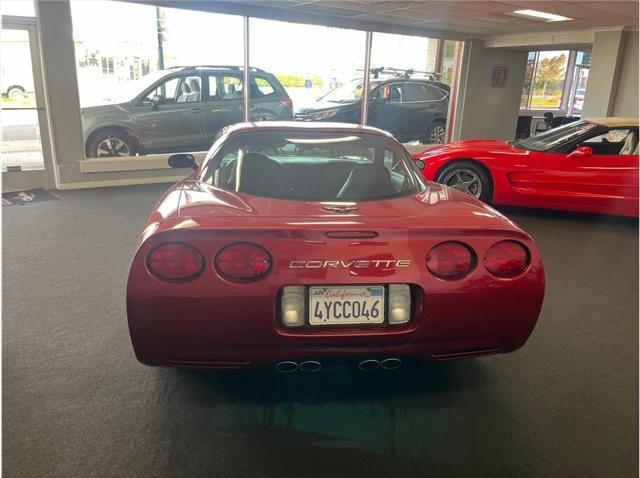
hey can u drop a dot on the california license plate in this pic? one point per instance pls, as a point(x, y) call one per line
point(346, 305)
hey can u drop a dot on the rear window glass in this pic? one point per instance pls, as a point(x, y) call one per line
point(313, 166)
point(263, 86)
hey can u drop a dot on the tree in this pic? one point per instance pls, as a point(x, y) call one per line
point(550, 72)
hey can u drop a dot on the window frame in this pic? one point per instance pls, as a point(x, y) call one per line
point(566, 81)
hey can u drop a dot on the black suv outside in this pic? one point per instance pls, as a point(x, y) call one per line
point(180, 109)
point(411, 109)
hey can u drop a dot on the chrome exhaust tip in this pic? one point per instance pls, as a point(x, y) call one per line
point(310, 366)
point(287, 366)
point(391, 363)
point(368, 365)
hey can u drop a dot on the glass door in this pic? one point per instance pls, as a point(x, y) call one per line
point(26, 158)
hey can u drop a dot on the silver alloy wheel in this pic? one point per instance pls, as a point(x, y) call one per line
point(464, 180)
point(438, 135)
point(110, 147)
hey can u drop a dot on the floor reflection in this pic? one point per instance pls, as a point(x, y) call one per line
point(408, 414)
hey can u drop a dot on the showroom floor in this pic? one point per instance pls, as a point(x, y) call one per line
point(76, 402)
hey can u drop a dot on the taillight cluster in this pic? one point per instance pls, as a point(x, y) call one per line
point(175, 261)
point(242, 261)
point(239, 262)
point(287, 102)
point(506, 258)
point(453, 260)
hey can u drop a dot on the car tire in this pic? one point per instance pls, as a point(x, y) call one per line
point(111, 142)
point(468, 177)
point(16, 93)
point(436, 133)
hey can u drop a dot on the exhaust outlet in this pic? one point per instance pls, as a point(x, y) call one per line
point(286, 367)
point(368, 365)
point(391, 363)
point(310, 366)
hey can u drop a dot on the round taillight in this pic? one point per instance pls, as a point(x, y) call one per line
point(451, 260)
point(506, 258)
point(242, 261)
point(175, 261)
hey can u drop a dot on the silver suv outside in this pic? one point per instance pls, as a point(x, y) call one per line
point(180, 109)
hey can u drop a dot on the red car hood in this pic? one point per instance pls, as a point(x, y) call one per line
point(437, 208)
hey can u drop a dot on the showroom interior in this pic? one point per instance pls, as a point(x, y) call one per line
point(98, 94)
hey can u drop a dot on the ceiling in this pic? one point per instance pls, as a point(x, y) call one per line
point(457, 17)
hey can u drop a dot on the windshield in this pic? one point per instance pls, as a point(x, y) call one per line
point(556, 137)
point(314, 166)
point(347, 93)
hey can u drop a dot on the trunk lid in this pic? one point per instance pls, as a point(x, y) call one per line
point(437, 207)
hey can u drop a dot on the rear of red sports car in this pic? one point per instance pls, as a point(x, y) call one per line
point(337, 248)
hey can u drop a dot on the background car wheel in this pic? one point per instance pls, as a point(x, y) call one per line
point(469, 178)
point(16, 93)
point(437, 133)
point(110, 143)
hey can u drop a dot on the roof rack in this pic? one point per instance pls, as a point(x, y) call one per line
point(220, 67)
point(403, 73)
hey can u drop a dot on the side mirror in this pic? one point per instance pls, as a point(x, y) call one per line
point(183, 160)
point(420, 164)
point(156, 100)
point(582, 152)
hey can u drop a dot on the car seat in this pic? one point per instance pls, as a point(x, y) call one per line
point(185, 92)
point(194, 83)
point(395, 95)
point(231, 92)
point(260, 175)
point(630, 143)
point(367, 180)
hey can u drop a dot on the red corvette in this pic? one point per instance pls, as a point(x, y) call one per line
point(298, 243)
point(588, 166)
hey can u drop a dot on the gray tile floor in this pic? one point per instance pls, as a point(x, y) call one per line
point(76, 402)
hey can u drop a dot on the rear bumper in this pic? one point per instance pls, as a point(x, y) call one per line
point(209, 321)
point(230, 333)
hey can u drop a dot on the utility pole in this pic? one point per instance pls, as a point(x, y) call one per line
point(160, 29)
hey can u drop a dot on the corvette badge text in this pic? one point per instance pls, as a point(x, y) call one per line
point(382, 263)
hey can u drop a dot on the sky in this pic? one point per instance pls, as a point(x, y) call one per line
point(208, 38)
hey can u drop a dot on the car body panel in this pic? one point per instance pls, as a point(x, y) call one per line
point(213, 322)
point(599, 184)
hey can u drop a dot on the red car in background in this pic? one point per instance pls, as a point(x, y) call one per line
point(587, 166)
point(296, 243)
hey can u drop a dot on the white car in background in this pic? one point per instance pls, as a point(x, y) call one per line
point(578, 101)
point(17, 83)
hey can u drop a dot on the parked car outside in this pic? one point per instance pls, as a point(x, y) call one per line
point(289, 247)
point(410, 109)
point(578, 100)
point(585, 166)
point(180, 109)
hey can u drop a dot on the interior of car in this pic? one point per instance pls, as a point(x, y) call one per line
point(620, 141)
point(306, 176)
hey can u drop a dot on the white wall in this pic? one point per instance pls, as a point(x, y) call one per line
point(482, 110)
point(626, 99)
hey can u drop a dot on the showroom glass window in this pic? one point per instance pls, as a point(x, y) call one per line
point(311, 62)
point(544, 83)
point(130, 80)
